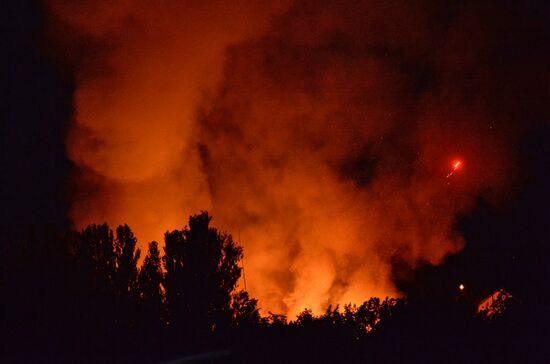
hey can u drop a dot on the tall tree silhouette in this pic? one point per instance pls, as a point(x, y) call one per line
point(201, 272)
point(125, 277)
point(94, 253)
point(93, 263)
point(105, 278)
point(173, 259)
point(126, 258)
point(150, 290)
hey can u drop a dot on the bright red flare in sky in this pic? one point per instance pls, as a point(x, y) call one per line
point(456, 165)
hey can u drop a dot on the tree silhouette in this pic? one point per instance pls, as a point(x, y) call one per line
point(94, 252)
point(80, 294)
point(201, 272)
point(126, 258)
point(174, 277)
point(104, 287)
point(125, 277)
point(94, 265)
point(245, 310)
point(305, 317)
point(150, 290)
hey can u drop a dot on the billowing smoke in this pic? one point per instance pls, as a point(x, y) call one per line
point(142, 68)
point(320, 133)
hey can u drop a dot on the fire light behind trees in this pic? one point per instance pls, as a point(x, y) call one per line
point(312, 128)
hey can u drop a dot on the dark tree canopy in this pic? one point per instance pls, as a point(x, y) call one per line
point(150, 276)
point(201, 272)
point(84, 296)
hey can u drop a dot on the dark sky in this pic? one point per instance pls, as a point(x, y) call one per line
point(507, 245)
point(35, 108)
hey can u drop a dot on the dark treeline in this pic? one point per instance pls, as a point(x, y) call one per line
point(83, 297)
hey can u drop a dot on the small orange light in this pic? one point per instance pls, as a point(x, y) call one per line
point(461, 287)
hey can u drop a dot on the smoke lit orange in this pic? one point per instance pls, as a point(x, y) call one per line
point(293, 125)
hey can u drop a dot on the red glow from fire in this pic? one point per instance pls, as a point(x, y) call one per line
point(285, 146)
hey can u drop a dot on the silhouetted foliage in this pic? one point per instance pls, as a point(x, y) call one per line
point(245, 311)
point(274, 319)
point(150, 289)
point(126, 258)
point(81, 296)
point(175, 275)
point(305, 317)
point(201, 272)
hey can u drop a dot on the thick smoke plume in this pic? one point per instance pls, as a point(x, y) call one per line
point(319, 132)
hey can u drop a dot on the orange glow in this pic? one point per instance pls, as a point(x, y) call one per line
point(494, 304)
point(461, 287)
point(278, 121)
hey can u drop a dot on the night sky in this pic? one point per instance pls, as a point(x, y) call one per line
point(36, 108)
point(501, 205)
